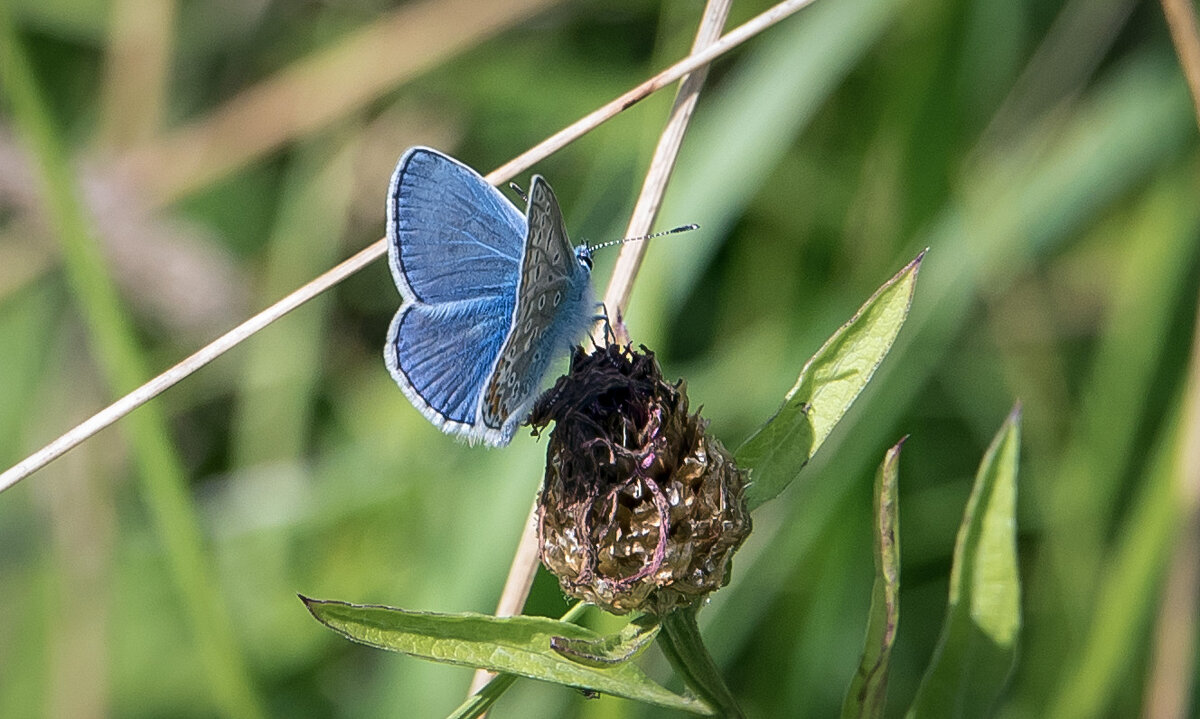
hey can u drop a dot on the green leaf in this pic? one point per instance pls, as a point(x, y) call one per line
point(481, 701)
point(867, 695)
point(612, 649)
point(977, 647)
point(513, 645)
point(827, 386)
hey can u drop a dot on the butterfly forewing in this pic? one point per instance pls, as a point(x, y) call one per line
point(452, 236)
point(552, 309)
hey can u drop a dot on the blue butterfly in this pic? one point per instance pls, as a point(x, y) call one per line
point(490, 296)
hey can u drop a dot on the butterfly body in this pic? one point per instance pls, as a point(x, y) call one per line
point(490, 296)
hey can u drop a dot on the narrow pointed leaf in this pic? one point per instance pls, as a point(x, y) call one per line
point(513, 645)
point(867, 694)
point(978, 644)
point(829, 383)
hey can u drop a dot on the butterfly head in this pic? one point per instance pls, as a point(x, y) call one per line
point(583, 254)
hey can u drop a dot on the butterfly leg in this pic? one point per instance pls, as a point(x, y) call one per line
point(610, 334)
point(615, 331)
point(520, 193)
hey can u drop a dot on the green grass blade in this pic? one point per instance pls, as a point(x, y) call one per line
point(113, 341)
point(514, 645)
point(1128, 588)
point(867, 695)
point(768, 99)
point(978, 645)
point(828, 384)
point(1160, 243)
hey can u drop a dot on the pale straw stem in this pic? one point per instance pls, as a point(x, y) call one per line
point(525, 561)
point(1185, 33)
point(522, 162)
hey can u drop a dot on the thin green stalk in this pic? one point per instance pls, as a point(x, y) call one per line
point(163, 482)
point(681, 642)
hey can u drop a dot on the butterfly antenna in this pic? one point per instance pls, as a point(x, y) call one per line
point(672, 231)
point(520, 193)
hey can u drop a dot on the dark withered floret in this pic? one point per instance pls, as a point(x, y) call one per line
point(640, 509)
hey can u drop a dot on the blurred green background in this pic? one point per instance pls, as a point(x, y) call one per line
point(228, 151)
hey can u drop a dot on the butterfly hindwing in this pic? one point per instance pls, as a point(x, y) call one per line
point(440, 357)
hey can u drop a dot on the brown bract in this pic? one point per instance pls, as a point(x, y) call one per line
point(640, 509)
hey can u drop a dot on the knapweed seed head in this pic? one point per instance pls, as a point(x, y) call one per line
point(640, 508)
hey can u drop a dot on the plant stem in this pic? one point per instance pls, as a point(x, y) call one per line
point(620, 286)
point(525, 561)
point(681, 642)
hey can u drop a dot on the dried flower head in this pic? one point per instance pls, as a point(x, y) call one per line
point(640, 509)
